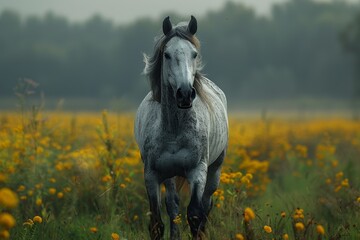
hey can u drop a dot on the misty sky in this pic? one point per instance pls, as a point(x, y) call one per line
point(122, 11)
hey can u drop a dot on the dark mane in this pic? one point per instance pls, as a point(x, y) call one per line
point(154, 62)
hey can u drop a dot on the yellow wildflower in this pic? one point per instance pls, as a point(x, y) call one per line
point(248, 214)
point(339, 175)
point(106, 178)
point(21, 188)
point(249, 176)
point(123, 185)
point(28, 222)
point(299, 226)
point(39, 150)
point(302, 150)
point(285, 236)
point(4, 234)
point(59, 166)
point(299, 214)
point(320, 229)
point(60, 194)
point(345, 182)
point(245, 180)
point(115, 236)
point(358, 199)
point(334, 163)
point(162, 189)
point(93, 229)
point(267, 229)
point(338, 188)
point(8, 199)
point(239, 236)
point(52, 191)
point(7, 221)
point(283, 214)
point(37, 219)
point(38, 202)
point(218, 192)
point(3, 178)
point(177, 219)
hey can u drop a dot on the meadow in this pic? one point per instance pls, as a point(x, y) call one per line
point(79, 176)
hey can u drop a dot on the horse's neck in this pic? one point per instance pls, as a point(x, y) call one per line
point(170, 114)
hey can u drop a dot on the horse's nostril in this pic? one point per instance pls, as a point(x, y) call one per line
point(193, 93)
point(178, 93)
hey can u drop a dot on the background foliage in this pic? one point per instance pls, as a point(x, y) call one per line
point(294, 53)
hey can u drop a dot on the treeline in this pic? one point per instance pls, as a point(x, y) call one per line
point(294, 53)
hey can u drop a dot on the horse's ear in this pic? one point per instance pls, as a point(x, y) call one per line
point(192, 27)
point(167, 26)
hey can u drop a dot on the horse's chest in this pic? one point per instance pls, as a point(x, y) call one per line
point(180, 145)
point(175, 156)
point(172, 147)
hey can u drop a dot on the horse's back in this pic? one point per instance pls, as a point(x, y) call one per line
point(218, 129)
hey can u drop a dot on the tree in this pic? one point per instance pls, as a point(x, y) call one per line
point(350, 38)
point(294, 53)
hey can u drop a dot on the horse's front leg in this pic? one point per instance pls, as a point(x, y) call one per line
point(172, 207)
point(152, 183)
point(196, 214)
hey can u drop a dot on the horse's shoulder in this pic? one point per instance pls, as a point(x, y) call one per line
point(146, 115)
point(148, 104)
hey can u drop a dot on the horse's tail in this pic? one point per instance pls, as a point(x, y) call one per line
point(179, 183)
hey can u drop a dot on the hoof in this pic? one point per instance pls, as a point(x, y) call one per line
point(156, 231)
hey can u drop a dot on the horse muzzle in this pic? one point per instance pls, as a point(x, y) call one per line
point(185, 96)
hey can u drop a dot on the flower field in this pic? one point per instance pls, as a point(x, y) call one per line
point(80, 176)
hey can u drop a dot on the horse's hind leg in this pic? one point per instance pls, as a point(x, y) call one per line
point(172, 207)
point(212, 183)
point(156, 227)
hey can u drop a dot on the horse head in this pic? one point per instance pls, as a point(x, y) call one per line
point(179, 62)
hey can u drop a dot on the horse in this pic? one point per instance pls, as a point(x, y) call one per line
point(181, 128)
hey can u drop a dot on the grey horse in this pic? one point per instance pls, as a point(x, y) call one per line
point(181, 128)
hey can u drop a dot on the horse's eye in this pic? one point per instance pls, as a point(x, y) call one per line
point(166, 55)
point(195, 55)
